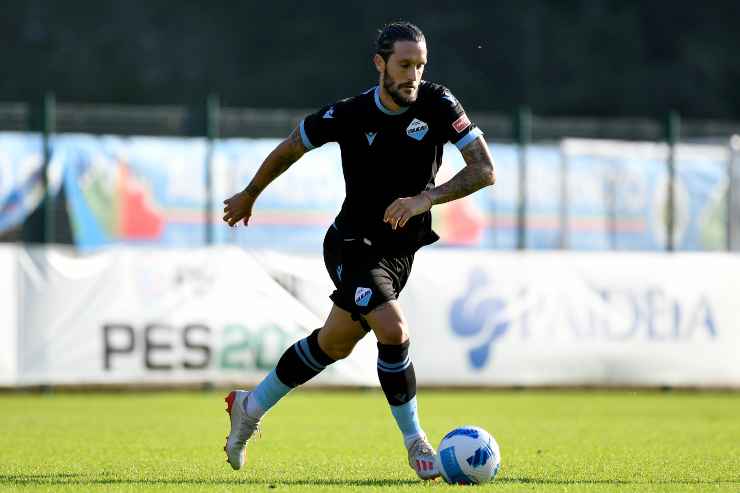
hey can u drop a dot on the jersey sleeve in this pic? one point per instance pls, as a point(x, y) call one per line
point(459, 130)
point(319, 128)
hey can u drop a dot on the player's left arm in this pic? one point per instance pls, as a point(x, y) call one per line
point(478, 172)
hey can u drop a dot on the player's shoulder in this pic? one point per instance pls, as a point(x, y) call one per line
point(435, 94)
point(349, 106)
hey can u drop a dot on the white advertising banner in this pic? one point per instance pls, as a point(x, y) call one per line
point(575, 318)
point(494, 318)
point(158, 316)
point(476, 318)
point(8, 315)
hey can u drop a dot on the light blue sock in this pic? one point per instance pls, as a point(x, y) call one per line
point(407, 418)
point(268, 392)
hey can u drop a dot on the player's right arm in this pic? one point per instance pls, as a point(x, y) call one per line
point(238, 207)
point(314, 131)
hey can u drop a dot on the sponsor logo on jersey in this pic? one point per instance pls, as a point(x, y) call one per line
point(370, 137)
point(417, 129)
point(362, 296)
point(461, 123)
point(329, 113)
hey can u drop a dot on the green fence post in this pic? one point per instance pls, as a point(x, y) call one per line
point(673, 133)
point(213, 110)
point(38, 227)
point(48, 129)
point(522, 137)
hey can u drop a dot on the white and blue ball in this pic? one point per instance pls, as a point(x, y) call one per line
point(468, 455)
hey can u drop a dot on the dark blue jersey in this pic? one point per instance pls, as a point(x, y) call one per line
point(387, 155)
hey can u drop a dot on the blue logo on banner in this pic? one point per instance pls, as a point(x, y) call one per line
point(469, 318)
point(484, 313)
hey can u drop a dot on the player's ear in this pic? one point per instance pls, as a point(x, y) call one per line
point(379, 63)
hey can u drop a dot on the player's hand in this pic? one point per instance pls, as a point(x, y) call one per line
point(238, 207)
point(401, 210)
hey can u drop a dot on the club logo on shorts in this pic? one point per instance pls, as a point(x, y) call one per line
point(461, 123)
point(370, 137)
point(417, 129)
point(362, 296)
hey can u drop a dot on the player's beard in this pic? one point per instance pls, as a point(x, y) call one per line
point(394, 91)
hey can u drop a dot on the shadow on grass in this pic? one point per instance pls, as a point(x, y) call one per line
point(543, 481)
point(59, 477)
point(83, 479)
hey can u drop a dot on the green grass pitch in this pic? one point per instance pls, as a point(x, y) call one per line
point(346, 441)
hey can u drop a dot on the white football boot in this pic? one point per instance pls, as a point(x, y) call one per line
point(423, 458)
point(242, 428)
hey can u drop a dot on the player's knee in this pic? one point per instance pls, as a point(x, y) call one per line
point(338, 351)
point(393, 334)
point(389, 324)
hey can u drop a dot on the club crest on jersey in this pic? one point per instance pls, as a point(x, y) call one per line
point(417, 129)
point(362, 296)
point(329, 113)
point(370, 137)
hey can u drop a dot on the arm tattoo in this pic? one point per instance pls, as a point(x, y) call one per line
point(476, 152)
point(279, 160)
point(295, 140)
point(477, 173)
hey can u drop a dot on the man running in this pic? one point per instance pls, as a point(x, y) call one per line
point(391, 139)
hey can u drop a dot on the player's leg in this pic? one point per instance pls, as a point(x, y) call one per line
point(299, 363)
point(398, 381)
point(307, 358)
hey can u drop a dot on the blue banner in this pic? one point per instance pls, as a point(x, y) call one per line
point(617, 196)
point(21, 179)
point(152, 191)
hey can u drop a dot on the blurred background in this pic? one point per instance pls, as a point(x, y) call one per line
point(608, 239)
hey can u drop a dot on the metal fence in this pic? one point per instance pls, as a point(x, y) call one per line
point(228, 122)
point(521, 127)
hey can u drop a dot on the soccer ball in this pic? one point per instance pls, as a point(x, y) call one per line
point(468, 455)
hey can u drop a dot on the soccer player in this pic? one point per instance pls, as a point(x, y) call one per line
point(391, 139)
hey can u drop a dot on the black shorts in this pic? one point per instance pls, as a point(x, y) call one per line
point(364, 278)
